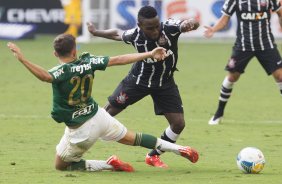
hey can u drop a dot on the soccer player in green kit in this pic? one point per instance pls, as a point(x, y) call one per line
point(85, 121)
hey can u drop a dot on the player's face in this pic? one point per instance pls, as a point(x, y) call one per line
point(150, 27)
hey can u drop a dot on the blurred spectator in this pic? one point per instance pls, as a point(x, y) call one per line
point(72, 10)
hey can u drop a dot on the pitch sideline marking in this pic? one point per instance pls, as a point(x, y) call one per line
point(31, 116)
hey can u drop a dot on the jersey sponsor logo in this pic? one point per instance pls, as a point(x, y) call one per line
point(173, 22)
point(81, 68)
point(129, 32)
point(99, 60)
point(58, 73)
point(83, 111)
point(86, 67)
point(169, 52)
point(254, 16)
point(150, 60)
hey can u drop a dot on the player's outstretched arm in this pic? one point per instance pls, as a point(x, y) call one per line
point(36, 70)
point(189, 25)
point(221, 23)
point(279, 12)
point(158, 54)
point(112, 34)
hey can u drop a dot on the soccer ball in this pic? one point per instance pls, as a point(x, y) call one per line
point(250, 160)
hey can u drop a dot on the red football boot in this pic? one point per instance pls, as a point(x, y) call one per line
point(119, 165)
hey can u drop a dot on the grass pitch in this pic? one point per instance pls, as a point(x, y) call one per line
point(253, 118)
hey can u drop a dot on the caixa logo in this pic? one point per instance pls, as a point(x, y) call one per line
point(123, 9)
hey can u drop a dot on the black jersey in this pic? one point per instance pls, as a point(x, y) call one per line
point(149, 73)
point(253, 29)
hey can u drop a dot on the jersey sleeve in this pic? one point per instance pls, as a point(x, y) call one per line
point(99, 62)
point(172, 26)
point(229, 7)
point(275, 5)
point(58, 73)
point(95, 62)
point(128, 36)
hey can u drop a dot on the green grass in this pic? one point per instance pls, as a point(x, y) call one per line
point(253, 118)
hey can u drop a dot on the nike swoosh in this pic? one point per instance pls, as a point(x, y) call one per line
point(173, 34)
point(140, 44)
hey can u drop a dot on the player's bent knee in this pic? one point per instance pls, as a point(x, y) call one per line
point(234, 77)
point(60, 165)
point(181, 125)
point(60, 168)
point(278, 75)
point(128, 139)
point(178, 126)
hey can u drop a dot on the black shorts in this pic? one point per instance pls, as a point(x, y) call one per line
point(166, 98)
point(269, 59)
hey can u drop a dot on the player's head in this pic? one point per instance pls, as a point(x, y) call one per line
point(64, 45)
point(149, 22)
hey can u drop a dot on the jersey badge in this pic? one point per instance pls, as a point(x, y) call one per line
point(231, 63)
point(121, 99)
point(263, 3)
point(162, 40)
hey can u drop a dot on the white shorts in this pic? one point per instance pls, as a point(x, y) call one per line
point(75, 142)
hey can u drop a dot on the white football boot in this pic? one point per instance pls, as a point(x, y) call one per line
point(216, 121)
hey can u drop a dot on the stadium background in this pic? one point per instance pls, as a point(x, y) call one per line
point(48, 15)
point(29, 135)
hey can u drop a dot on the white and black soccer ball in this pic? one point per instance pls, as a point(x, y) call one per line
point(250, 160)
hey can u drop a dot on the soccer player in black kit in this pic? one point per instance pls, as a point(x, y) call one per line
point(254, 39)
point(149, 77)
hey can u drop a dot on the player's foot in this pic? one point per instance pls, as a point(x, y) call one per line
point(189, 153)
point(155, 161)
point(215, 120)
point(119, 165)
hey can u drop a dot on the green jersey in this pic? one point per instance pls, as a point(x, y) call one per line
point(72, 86)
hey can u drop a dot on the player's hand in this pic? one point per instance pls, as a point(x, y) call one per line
point(189, 25)
point(159, 53)
point(91, 28)
point(208, 33)
point(16, 51)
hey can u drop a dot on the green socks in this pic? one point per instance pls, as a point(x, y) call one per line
point(145, 140)
point(77, 166)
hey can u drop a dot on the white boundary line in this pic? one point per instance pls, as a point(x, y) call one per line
point(239, 121)
point(15, 116)
point(31, 116)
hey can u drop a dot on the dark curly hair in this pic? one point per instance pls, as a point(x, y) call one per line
point(147, 12)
